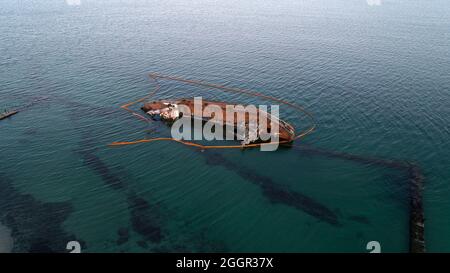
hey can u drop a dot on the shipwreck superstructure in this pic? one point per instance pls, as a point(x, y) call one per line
point(253, 129)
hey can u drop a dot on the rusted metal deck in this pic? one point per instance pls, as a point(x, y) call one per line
point(286, 131)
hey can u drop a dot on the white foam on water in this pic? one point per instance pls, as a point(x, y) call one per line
point(6, 241)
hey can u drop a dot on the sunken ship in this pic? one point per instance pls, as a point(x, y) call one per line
point(169, 111)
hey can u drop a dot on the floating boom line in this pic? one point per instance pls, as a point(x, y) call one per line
point(155, 78)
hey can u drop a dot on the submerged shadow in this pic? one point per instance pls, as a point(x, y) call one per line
point(35, 226)
point(414, 177)
point(274, 192)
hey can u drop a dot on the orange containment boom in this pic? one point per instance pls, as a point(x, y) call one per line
point(155, 78)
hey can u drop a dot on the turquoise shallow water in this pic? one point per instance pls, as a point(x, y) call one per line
point(376, 77)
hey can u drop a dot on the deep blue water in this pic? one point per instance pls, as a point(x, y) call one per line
point(375, 74)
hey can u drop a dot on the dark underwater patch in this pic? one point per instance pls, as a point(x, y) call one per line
point(94, 163)
point(87, 151)
point(124, 236)
point(35, 226)
point(30, 132)
point(142, 244)
point(415, 181)
point(274, 192)
point(145, 218)
point(367, 160)
point(359, 219)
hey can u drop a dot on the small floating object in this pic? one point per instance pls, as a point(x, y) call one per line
point(169, 111)
point(8, 114)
